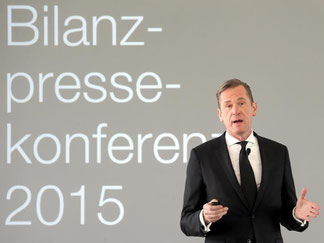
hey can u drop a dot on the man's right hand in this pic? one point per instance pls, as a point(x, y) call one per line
point(213, 213)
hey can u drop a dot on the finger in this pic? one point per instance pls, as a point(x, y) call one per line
point(214, 218)
point(213, 200)
point(209, 204)
point(215, 212)
point(315, 206)
point(219, 210)
point(313, 215)
point(217, 215)
point(225, 210)
point(216, 208)
point(209, 207)
point(314, 212)
point(303, 193)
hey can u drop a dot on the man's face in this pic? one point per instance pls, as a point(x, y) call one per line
point(236, 112)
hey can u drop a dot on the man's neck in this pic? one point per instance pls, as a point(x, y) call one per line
point(242, 137)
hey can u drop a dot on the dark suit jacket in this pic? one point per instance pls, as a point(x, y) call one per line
point(210, 175)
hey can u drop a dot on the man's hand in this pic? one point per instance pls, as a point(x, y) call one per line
point(213, 213)
point(306, 210)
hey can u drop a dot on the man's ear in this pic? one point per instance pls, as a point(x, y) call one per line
point(219, 112)
point(255, 108)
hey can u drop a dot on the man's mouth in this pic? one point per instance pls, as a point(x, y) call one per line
point(237, 121)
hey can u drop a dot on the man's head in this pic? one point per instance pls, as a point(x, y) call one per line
point(236, 108)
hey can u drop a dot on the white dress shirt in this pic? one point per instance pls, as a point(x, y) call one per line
point(254, 156)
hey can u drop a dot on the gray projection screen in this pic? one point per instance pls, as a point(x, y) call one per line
point(102, 101)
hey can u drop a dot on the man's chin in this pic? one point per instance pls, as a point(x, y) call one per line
point(238, 132)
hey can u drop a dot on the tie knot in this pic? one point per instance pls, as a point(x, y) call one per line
point(243, 144)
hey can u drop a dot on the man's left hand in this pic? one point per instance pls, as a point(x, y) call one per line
point(306, 210)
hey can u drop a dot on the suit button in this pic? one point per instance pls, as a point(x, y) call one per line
point(252, 216)
point(249, 241)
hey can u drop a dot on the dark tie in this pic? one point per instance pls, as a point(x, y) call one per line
point(248, 184)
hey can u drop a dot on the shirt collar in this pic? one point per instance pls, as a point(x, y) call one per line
point(230, 140)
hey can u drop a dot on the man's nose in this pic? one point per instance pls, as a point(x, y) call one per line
point(236, 109)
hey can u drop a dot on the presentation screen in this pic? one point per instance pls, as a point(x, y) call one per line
point(102, 102)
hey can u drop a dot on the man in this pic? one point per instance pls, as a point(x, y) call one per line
point(239, 186)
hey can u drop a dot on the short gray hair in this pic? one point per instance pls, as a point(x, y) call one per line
point(232, 83)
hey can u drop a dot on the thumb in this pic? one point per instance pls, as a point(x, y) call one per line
point(303, 193)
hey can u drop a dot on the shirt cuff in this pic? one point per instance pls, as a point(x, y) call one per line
point(206, 228)
point(302, 223)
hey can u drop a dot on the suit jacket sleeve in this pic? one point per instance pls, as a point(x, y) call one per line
point(193, 198)
point(289, 199)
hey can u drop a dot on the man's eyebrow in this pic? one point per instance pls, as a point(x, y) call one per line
point(238, 99)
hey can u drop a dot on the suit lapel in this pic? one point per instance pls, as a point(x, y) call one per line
point(228, 168)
